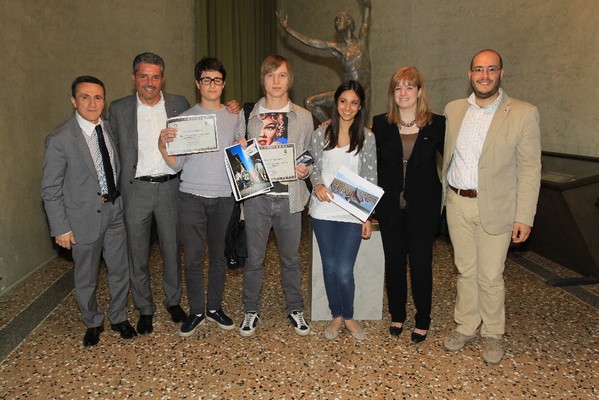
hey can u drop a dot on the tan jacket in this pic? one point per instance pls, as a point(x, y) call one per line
point(509, 168)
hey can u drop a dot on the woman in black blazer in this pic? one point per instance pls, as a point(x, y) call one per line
point(408, 139)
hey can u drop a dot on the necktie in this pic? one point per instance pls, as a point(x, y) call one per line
point(108, 173)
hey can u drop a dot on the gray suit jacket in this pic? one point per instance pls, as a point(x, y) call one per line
point(509, 168)
point(70, 186)
point(123, 123)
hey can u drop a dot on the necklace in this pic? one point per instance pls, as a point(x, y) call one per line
point(408, 124)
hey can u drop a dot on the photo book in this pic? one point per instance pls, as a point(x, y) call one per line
point(246, 171)
point(355, 194)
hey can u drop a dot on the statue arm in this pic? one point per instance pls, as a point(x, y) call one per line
point(366, 20)
point(315, 43)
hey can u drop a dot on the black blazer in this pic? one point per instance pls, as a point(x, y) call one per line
point(422, 186)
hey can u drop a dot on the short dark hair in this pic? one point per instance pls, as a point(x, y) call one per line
point(86, 79)
point(209, 64)
point(483, 51)
point(148, 58)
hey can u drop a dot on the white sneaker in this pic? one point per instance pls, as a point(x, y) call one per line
point(248, 325)
point(299, 323)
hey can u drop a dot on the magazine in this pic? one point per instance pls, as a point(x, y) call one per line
point(355, 194)
point(247, 175)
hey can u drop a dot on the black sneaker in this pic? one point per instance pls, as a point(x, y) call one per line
point(299, 323)
point(248, 325)
point(190, 324)
point(221, 319)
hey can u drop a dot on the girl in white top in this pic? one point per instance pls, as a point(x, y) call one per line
point(345, 142)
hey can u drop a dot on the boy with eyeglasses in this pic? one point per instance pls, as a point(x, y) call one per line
point(205, 200)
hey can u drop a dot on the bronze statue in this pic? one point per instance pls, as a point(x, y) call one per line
point(352, 53)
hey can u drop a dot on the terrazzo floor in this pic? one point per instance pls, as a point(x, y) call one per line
point(552, 347)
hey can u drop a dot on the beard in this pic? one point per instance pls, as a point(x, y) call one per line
point(491, 92)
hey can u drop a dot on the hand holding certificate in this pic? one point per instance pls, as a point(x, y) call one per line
point(195, 134)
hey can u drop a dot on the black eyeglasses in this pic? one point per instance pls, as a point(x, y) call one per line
point(207, 81)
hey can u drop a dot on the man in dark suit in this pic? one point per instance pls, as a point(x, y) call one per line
point(149, 185)
point(85, 212)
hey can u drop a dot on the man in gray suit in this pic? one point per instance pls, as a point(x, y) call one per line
point(85, 212)
point(149, 185)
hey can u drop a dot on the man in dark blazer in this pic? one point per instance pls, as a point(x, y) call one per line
point(149, 185)
point(84, 209)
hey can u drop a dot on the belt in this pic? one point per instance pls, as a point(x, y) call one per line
point(157, 178)
point(104, 198)
point(470, 193)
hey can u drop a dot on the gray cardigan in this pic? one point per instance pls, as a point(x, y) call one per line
point(368, 169)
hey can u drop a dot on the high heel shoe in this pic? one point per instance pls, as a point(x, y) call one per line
point(395, 330)
point(418, 338)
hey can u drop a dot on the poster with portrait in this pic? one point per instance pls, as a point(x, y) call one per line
point(274, 129)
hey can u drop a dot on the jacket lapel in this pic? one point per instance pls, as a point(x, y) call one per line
point(503, 110)
point(82, 148)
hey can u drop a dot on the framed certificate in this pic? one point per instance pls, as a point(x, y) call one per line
point(195, 134)
point(279, 161)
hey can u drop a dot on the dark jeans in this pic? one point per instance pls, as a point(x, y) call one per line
point(204, 219)
point(338, 243)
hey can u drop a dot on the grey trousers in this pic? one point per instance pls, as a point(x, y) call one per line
point(112, 243)
point(261, 213)
point(147, 201)
point(201, 220)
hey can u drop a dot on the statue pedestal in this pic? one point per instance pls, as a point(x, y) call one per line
point(369, 274)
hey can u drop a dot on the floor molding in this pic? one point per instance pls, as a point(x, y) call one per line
point(23, 324)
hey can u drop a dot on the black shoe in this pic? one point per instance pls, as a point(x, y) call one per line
point(177, 313)
point(125, 329)
point(92, 336)
point(221, 319)
point(396, 330)
point(190, 324)
point(144, 324)
point(418, 338)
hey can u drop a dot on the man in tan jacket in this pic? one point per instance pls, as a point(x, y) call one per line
point(491, 180)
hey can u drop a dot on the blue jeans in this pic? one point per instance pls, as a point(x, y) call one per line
point(338, 243)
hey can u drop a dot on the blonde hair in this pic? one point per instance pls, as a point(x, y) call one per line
point(412, 76)
point(272, 63)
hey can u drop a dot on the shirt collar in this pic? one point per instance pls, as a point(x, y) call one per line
point(87, 127)
point(494, 104)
